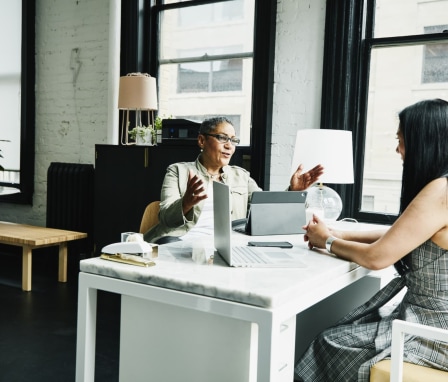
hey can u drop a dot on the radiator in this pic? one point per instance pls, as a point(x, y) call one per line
point(70, 201)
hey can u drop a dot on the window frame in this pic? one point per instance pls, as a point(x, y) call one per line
point(27, 111)
point(139, 52)
point(348, 45)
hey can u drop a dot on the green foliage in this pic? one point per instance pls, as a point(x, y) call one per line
point(158, 121)
point(141, 131)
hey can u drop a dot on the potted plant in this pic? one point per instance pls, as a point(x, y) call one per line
point(143, 135)
point(158, 129)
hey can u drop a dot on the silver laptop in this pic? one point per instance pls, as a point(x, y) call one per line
point(243, 256)
point(274, 213)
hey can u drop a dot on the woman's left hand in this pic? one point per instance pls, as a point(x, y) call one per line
point(316, 233)
point(300, 182)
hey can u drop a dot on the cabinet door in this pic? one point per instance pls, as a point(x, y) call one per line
point(127, 179)
point(159, 158)
point(119, 173)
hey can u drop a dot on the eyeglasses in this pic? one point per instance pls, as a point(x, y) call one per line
point(224, 138)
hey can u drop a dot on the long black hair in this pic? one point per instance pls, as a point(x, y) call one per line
point(424, 126)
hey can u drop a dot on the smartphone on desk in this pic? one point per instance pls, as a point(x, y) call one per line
point(278, 244)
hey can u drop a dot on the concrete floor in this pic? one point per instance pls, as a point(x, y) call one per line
point(38, 328)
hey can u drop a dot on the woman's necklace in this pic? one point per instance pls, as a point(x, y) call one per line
point(214, 176)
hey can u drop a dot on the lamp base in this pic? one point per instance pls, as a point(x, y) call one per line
point(324, 198)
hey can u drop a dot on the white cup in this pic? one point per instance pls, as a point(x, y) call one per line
point(131, 236)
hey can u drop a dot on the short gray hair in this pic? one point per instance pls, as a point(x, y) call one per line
point(210, 124)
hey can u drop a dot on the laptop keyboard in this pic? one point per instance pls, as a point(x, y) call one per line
point(247, 255)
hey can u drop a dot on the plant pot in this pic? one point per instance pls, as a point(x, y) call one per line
point(144, 139)
point(158, 136)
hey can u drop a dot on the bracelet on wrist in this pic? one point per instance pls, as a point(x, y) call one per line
point(329, 243)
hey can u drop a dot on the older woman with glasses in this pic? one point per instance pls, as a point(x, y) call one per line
point(186, 207)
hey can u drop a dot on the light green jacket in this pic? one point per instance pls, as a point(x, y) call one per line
point(172, 222)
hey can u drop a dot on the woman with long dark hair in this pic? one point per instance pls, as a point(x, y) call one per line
point(417, 244)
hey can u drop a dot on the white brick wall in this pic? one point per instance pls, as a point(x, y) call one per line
point(72, 117)
point(298, 80)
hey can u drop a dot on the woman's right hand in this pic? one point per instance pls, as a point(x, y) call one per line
point(194, 193)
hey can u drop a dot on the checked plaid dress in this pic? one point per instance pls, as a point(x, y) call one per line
point(346, 351)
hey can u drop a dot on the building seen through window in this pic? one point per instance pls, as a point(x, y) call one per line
point(435, 59)
point(401, 72)
point(205, 62)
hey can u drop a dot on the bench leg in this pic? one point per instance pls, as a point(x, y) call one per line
point(26, 267)
point(62, 277)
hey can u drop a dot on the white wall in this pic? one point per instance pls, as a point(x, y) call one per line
point(71, 111)
point(74, 114)
point(297, 80)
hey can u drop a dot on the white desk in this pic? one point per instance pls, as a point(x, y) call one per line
point(191, 317)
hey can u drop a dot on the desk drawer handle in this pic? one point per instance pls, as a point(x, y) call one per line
point(283, 367)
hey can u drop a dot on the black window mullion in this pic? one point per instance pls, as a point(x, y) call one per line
point(342, 54)
point(129, 43)
point(262, 91)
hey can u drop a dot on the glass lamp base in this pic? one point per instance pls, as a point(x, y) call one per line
point(324, 198)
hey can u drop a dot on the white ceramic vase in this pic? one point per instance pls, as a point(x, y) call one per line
point(145, 140)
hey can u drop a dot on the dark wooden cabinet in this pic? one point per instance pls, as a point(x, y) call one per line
point(127, 178)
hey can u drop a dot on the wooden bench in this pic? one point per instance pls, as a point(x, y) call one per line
point(29, 237)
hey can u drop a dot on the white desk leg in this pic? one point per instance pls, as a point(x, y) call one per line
point(276, 343)
point(86, 335)
point(266, 354)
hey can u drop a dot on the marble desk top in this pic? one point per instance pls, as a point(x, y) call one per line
point(194, 267)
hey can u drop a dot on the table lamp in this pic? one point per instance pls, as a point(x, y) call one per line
point(138, 92)
point(333, 150)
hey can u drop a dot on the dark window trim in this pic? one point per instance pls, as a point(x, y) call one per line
point(406, 40)
point(348, 45)
point(349, 24)
point(263, 70)
point(262, 95)
point(341, 74)
point(129, 43)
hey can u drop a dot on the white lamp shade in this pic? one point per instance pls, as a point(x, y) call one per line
point(331, 148)
point(137, 92)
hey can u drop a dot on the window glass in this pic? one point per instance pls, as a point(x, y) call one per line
point(395, 82)
point(10, 91)
point(213, 13)
point(408, 17)
point(400, 73)
point(205, 62)
point(193, 29)
point(210, 76)
point(435, 59)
